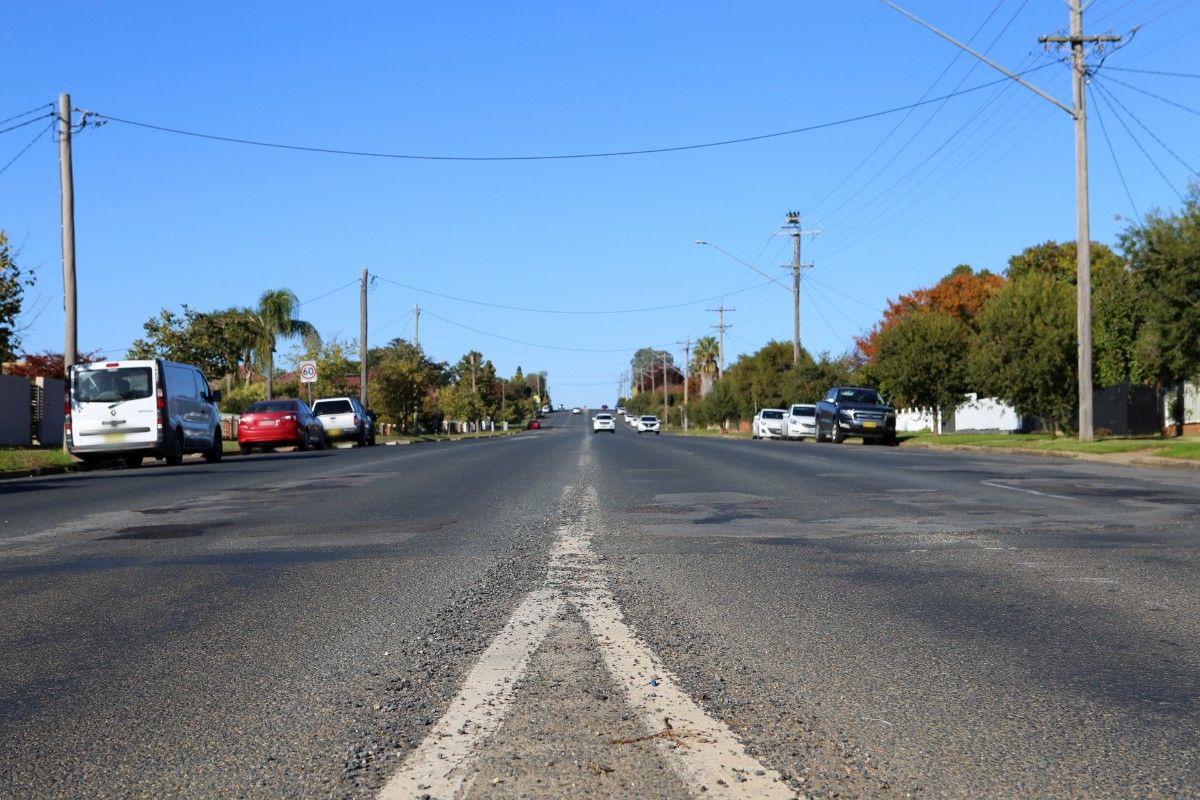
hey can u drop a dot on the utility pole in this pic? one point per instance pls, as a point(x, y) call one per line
point(1083, 242)
point(666, 383)
point(416, 325)
point(687, 368)
point(362, 364)
point(1083, 236)
point(67, 181)
point(792, 228)
point(720, 328)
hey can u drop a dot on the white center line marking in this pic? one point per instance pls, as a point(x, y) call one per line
point(1026, 491)
point(702, 750)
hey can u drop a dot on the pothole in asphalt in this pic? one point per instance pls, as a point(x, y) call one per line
point(157, 532)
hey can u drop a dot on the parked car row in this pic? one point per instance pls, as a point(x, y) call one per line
point(152, 408)
point(843, 411)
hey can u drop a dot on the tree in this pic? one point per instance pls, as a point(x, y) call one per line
point(647, 358)
point(1164, 254)
point(961, 295)
point(705, 354)
point(920, 361)
point(1025, 354)
point(405, 381)
point(12, 292)
point(46, 364)
point(275, 317)
point(217, 342)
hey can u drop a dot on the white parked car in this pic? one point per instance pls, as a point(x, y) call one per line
point(576, 410)
point(768, 424)
point(604, 422)
point(647, 423)
point(801, 421)
point(631, 419)
point(345, 418)
point(136, 409)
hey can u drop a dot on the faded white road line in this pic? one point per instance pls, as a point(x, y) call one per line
point(703, 751)
point(1026, 491)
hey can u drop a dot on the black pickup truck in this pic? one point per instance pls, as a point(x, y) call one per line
point(855, 411)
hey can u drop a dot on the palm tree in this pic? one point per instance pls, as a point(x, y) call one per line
point(705, 354)
point(275, 317)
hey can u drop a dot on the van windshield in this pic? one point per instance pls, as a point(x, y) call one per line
point(112, 385)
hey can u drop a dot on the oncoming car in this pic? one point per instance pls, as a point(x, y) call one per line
point(648, 423)
point(604, 422)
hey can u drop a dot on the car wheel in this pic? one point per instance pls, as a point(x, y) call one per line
point(213, 454)
point(245, 449)
point(836, 435)
point(132, 462)
point(174, 453)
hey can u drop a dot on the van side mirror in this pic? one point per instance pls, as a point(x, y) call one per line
point(216, 395)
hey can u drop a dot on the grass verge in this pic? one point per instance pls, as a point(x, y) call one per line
point(1151, 446)
point(27, 458)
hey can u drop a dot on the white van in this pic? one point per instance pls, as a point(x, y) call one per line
point(134, 409)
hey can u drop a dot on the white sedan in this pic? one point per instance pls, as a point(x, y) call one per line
point(768, 424)
point(801, 422)
point(648, 423)
point(576, 410)
point(604, 422)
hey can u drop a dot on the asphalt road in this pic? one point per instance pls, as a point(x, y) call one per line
point(608, 612)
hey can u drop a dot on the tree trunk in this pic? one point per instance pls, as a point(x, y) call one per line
point(270, 370)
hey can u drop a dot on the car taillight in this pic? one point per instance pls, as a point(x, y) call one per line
point(288, 418)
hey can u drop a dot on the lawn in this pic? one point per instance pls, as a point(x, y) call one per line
point(24, 458)
point(1157, 446)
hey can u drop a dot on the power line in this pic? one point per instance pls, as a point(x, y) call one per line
point(554, 310)
point(23, 124)
point(1099, 85)
point(1103, 96)
point(24, 149)
point(530, 344)
point(33, 110)
point(552, 157)
point(1156, 72)
point(1116, 163)
point(354, 282)
point(1152, 94)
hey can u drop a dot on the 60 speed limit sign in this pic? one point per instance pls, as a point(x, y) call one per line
point(308, 372)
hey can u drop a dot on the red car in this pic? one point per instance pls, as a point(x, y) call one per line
point(534, 425)
point(279, 423)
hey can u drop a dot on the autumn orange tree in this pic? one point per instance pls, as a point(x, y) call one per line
point(960, 295)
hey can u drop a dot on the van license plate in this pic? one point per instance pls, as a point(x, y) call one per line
point(113, 437)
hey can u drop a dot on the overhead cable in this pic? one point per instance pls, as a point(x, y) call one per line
point(559, 310)
point(559, 156)
point(23, 124)
point(528, 343)
point(33, 110)
point(1116, 163)
point(25, 149)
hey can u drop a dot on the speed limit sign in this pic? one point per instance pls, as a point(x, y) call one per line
point(308, 372)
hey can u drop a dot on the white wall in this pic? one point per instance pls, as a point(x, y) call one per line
point(985, 414)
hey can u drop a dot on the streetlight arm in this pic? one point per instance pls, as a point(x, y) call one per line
point(981, 57)
point(745, 264)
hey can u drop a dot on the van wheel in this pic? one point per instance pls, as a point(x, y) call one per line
point(174, 451)
point(132, 462)
point(322, 442)
point(245, 449)
point(304, 441)
point(213, 455)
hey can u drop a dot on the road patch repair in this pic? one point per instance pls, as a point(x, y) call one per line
point(457, 758)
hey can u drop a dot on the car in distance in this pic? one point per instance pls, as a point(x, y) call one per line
point(267, 424)
point(134, 409)
point(801, 422)
point(576, 410)
point(345, 418)
point(632, 419)
point(604, 422)
point(855, 411)
point(534, 425)
point(648, 423)
point(768, 424)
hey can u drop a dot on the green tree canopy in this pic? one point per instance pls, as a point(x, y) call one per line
point(1026, 352)
point(217, 342)
point(12, 292)
point(275, 318)
point(1164, 253)
point(921, 360)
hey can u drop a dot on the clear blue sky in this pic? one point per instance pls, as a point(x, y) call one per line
point(164, 219)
